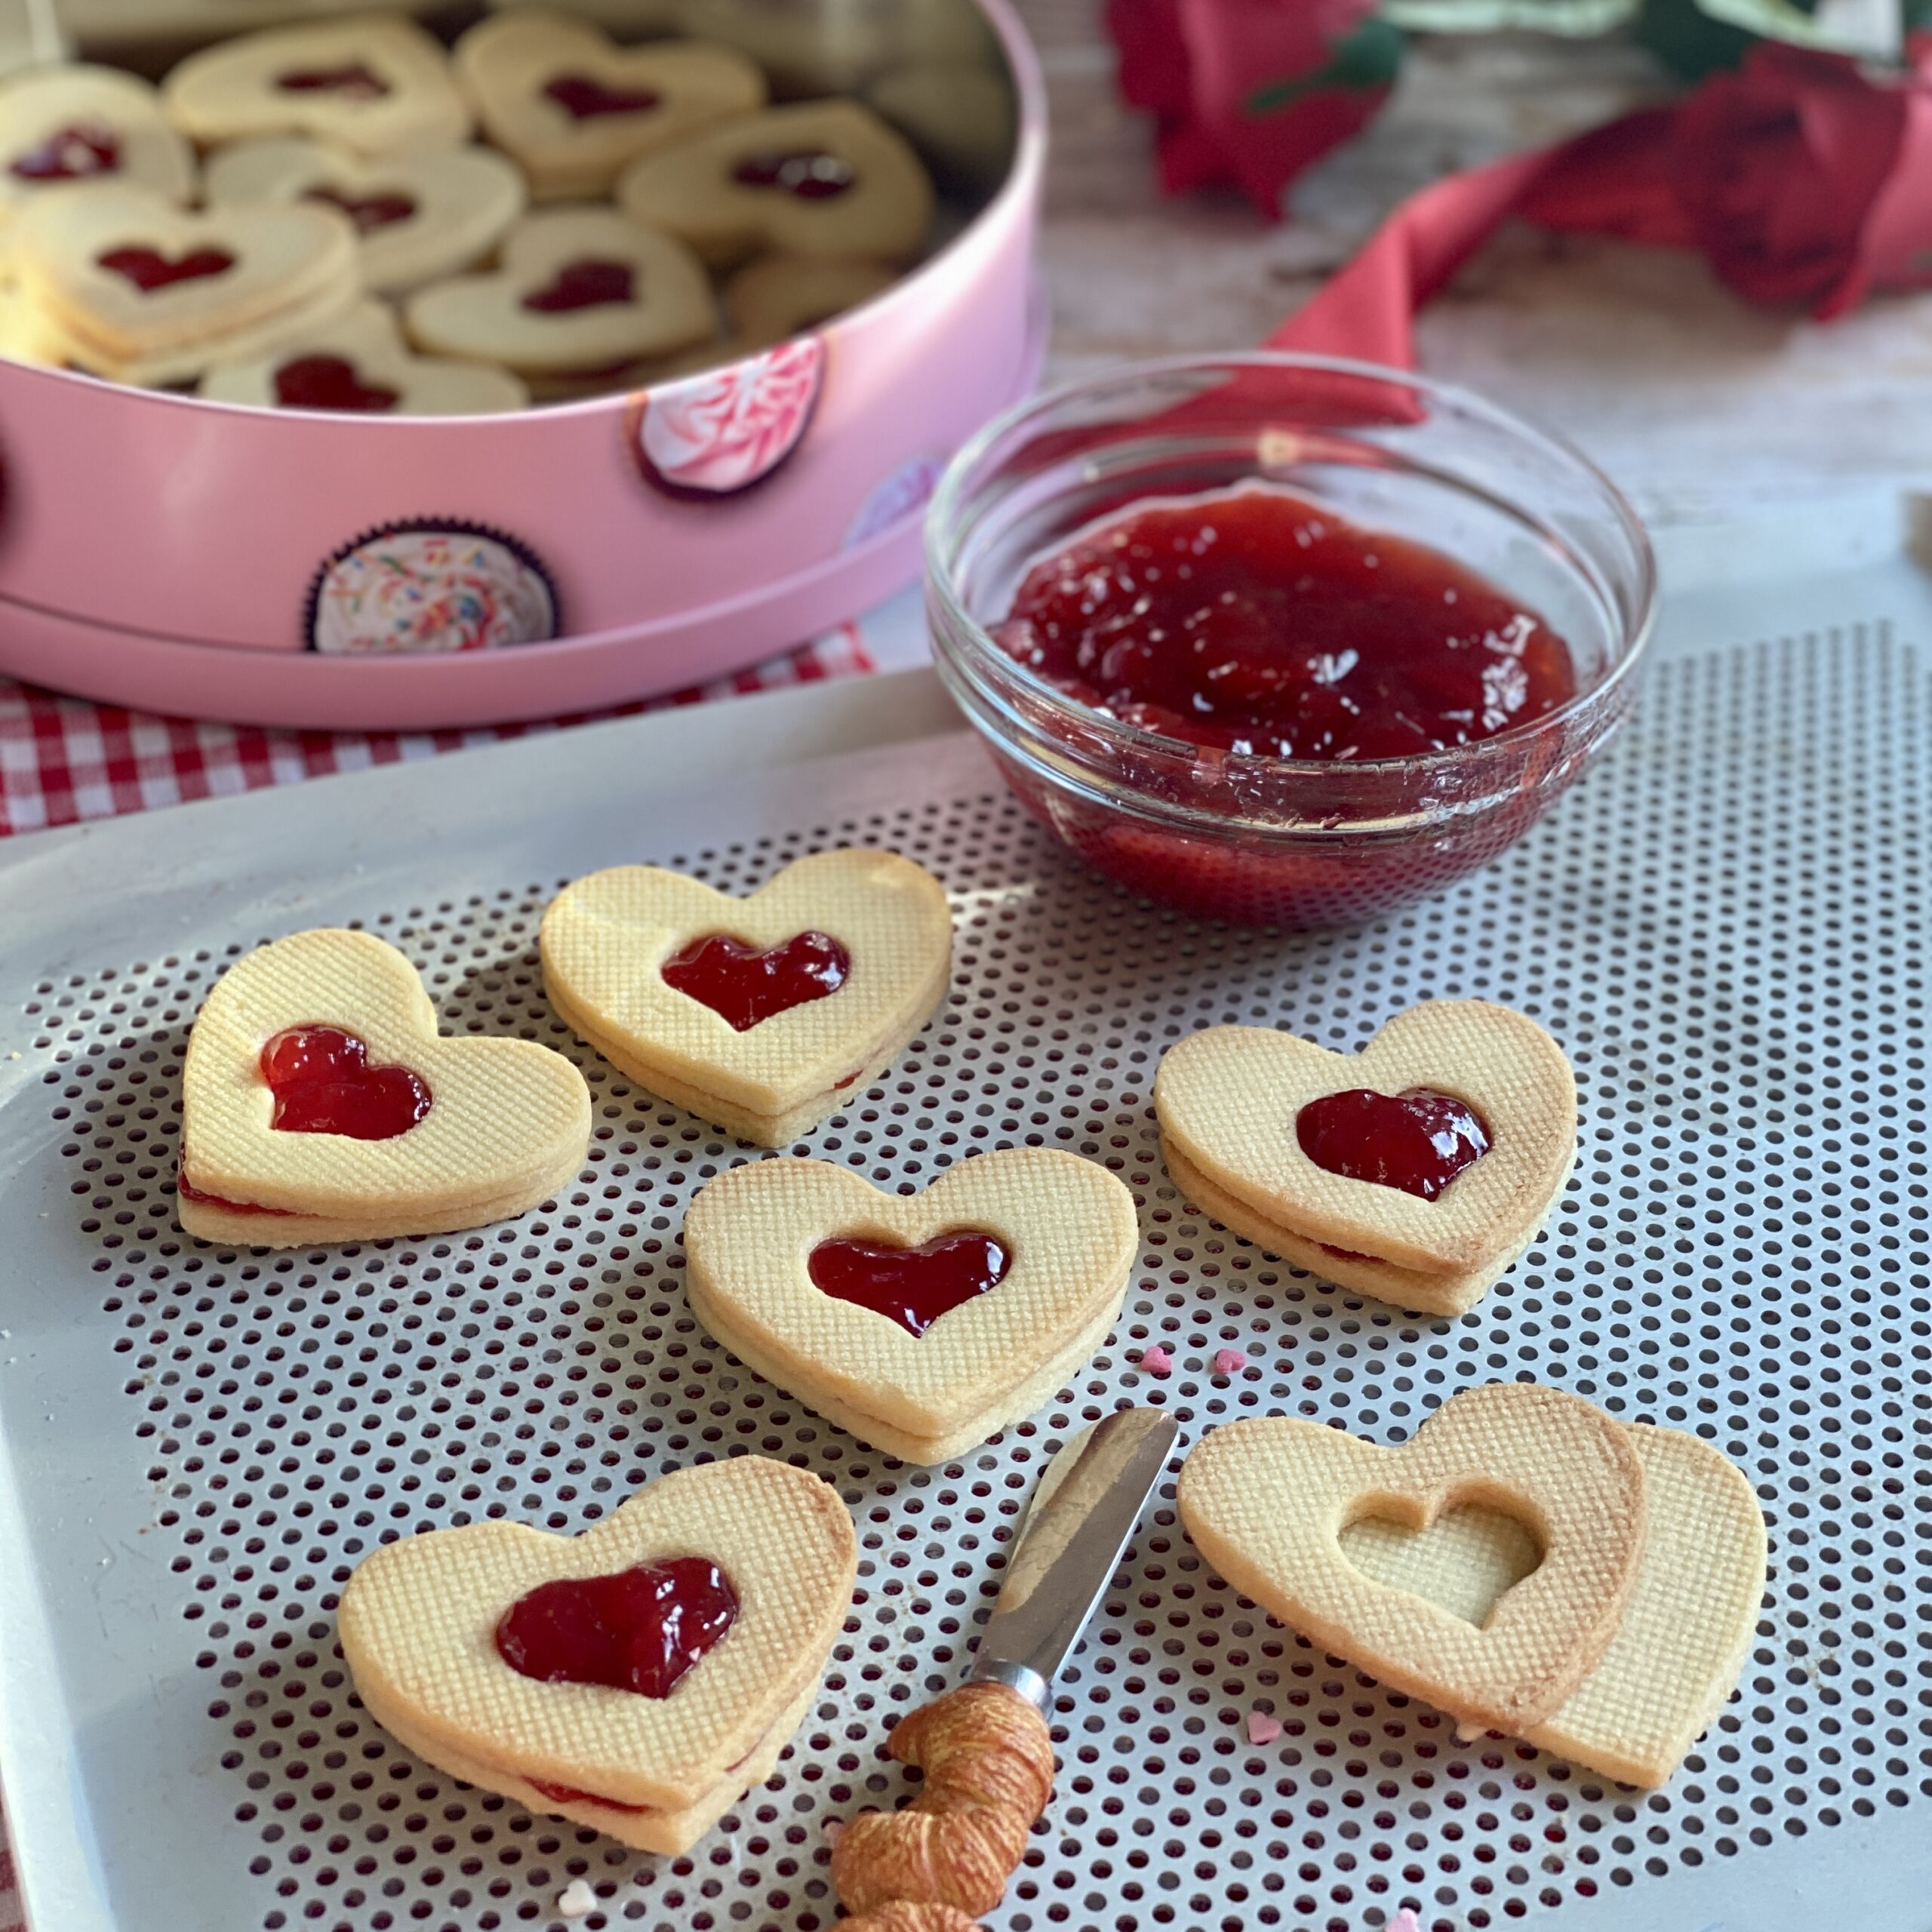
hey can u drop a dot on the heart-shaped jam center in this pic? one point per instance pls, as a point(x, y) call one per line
point(368, 212)
point(584, 99)
point(148, 269)
point(323, 1084)
point(640, 1629)
point(746, 986)
point(809, 173)
point(584, 284)
point(913, 1286)
point(78, 153)
point(331, 382)
point(1418, 1140)
point(353, 81)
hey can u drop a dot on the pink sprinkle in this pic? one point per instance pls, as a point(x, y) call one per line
point(1404, 1921)
point(1156, 1361)
point(1229, 1361)
point(1262, 1728)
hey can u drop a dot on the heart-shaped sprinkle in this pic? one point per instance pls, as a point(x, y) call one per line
point(331, 382)
point(323, 1084)
point(368, 212)
point(641, 1629)
point(913, 1286)
point(78, 153)
point(148, 269)
point(808, 173)
point(746, 986)
point(584, 284)
point(354, 80)
point(584, 99)
point(1418, 1140)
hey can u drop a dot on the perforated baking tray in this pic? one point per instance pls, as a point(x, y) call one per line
point(1726, 925)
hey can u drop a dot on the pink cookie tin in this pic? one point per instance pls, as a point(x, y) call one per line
point(288, 567)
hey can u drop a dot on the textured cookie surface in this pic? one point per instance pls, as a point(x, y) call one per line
point(1067, 1224)
point(1228, 1097)
point(1265, 1501)
point(418, 1620)
point(606, 939)
point(505, 1115)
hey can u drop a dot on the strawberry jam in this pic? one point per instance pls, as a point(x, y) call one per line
point(368, 212)
point(640, 1629)
point(1252, 621)
point(331, 382)
point(584, 99)
point(808, 173)
point(148, 269)
point(748, 987)
point(913, 1286)
point(584, 284)
point(353, 81)
point(188, 1191)
point(568, 1794)
point(1418, 1140)
point(323, 1084)
point(78, 153)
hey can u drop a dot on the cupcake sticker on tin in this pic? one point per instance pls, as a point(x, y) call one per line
point(426, 588)
point(715, 434)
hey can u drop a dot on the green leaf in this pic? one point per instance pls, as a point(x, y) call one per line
point(1869, 28)
point(1366, 59)
point(1572, 19)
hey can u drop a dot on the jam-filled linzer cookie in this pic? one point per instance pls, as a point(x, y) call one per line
point(638, 1678)
point(579, 289)
point(764, 1014)
point(575, 109)
point(821, 178)
point(1416, 1171)
point(60, 126)
point(921, 1323)
point(320, 1104)
point(417, 217)
point(374, 83)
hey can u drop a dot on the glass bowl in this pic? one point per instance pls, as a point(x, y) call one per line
point(1258, 840)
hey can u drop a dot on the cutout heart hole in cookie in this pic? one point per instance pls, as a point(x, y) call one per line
point(747, 987)
point(808, 173)
point(912, 1286)
point(148, 269)
point(584, 285)
point(323, 1083)
point(584, 99)
point(1418, 1140)
point(641, 1629)
point(353, 81)
point(368, 212)
point(1465, 1561)
point(331, 382)
point(78, 153)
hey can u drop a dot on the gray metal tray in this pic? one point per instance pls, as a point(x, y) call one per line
point(1726, 925)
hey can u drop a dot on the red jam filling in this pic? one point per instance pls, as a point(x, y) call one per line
point(914, 1286)
point(331, 382)
point(640, 1629)
point(1418, 1140)
point(353, 81)
point(323, 1084)
point(568, 1794)
point(748, 987)
point(188, 1191)
point(808, 173)
point(1253, 621)
point(584, 284)
point(584, 99)
point(368, 212)
point(78, 153)
point(148, 269)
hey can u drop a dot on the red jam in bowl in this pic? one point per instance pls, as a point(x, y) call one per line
point(1418, 1140)
point(323, 1084)
point(912, 1286)
point(747, 987)
point(639, 1630)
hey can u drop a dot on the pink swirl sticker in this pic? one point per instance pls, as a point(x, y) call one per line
point(715, 434)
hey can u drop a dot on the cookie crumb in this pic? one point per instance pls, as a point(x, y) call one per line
point(1229, 1361)
point(1262, 1727)
point(576, 1900)
point(1467, 1732)
point(1156, 1361)
point(833, 1826)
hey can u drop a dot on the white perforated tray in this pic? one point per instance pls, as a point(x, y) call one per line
point(1726, 923)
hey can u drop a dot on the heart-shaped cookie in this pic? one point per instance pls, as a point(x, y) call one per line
point(65, 126)
point(922, 1323)
point(788, 1004)
point(360, 365)
point(319, 1103)
point(1266, 1502)
point(637, 1678)
point(1689, 1621)
point(375, 83)
point(417, 217)
point(777, 297)
point(579, 289)
point(575, 109)
point(823, 177)
point(1416, 1170)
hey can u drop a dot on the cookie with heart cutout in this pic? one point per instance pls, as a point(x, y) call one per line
point(1690, 1621)
point(575, 109)
point(360, 365)
point(417, 217)
point(374, 83)
point(1416, 1170)
point(579, 289)
point(1266, 1502)
point(637, 1678)
point(922, 1323)
point(765, 1013)
point(821, 178)
point(777, 297)
point(62, 127)
point(319, 1103)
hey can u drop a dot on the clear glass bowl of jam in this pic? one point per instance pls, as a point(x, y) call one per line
point(1285, 640)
